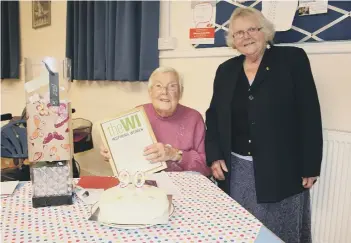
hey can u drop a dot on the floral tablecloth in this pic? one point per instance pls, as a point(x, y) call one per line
point(203, 213)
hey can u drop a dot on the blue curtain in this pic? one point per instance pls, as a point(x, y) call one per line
point(10, 40)
point(112, 40)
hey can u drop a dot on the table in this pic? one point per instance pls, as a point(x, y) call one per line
point(204, 213)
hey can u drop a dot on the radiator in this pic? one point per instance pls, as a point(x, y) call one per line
point(331, 195)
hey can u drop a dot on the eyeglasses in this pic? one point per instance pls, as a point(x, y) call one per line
point(170, 87)
point(251, 31)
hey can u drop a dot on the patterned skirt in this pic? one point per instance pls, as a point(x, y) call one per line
point(289, 219)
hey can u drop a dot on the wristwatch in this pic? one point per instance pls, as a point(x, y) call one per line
point(179, 153)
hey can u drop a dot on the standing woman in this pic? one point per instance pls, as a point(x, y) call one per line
point(264, 130)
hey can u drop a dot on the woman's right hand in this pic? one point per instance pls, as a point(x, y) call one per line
point(217, 168)
point(105, 154)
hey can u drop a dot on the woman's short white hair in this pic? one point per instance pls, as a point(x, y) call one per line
point(267, 26)
point(166, 70)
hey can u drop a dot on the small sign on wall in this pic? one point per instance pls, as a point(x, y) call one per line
point(312, 7)
point(41, 14)
point(202, 28)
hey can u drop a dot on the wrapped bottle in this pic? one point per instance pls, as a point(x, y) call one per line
point(49, 135)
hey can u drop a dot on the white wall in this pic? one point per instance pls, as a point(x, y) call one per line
point(96, 100)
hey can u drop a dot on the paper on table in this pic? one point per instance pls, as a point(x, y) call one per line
point(280, 13)
point(165, 182)
point(97, 182)
point(88, 196)
point(8, 187)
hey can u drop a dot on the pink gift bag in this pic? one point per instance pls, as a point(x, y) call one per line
point(48, 110)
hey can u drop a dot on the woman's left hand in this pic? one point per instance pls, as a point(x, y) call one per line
point(158, 152)
point(307, 182)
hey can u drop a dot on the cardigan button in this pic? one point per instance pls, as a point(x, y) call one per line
point(251, 97)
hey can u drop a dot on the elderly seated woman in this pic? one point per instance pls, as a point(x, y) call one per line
point(179, 130)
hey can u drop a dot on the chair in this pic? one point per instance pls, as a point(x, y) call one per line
point(82, 135)
point(14, 146)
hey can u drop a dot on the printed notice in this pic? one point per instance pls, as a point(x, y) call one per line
point(280, 13)
point(312, 7)
point(202, 29)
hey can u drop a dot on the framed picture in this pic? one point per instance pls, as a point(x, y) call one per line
point(41, 13)
point(125, 137)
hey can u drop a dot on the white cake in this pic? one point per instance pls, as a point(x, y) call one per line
point(131, 205)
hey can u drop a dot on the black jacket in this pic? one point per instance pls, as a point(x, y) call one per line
point(285, 122)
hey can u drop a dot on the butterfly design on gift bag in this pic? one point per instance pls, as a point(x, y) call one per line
point(53, 153)
point(39, 124)
point(51, 136)
point(43, 111)
point(66, 147)
point(34, 156)
point(37, 156)
point(62, 113)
